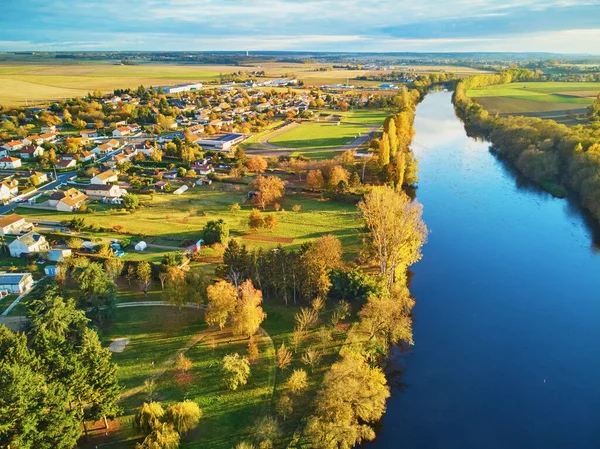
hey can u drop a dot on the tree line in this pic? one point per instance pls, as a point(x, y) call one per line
point(553, 155)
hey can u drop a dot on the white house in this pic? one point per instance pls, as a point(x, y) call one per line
point(121, 131)
point(89, 133)
point(48, 137)
point(16, 282)
point(34, 139)
point(27, 244)
point(106, 177)
point(10, 162)
point(103, 149)
point(104, 192)
point(8, 188)
point(13, 145)
point(13, 224)
point(87, 156)
point(63, 164)
point(48, 129)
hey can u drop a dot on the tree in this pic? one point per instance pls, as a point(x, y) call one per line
point(283, 357)
point(236, 263)
point(312, 357)
point(284, 406)
point(236, 371)
point(255, 220)
point(257, 164)
point(222, 300)
point(144, 275)
point(387, 318)
point(175, 291)
point(396, 229)
point(306, 319)
point(114, 266)
point(184, 416)
point(298, 381)
point(268, 190)
point(266, 430)
point(271, 221)
point(215, 231)
point(337, 175)
point(75, 243)
point(149, 416)
point(317, 259)
point(182, 363)
point(248, 314)
point(163, 436)
point(315, 180)
point(98, 291)
point(352, 397)
point(131, 201)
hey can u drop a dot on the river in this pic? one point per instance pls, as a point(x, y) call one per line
point(507, 321)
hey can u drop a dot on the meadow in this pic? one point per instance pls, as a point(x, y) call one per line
point(560, 101)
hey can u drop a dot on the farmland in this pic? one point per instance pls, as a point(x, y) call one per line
point(560, 101)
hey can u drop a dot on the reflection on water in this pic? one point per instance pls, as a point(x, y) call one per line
point(507, 322)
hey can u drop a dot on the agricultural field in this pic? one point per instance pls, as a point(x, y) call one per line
point(169, 220)
point(560, 101)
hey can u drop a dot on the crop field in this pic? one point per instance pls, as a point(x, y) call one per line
point(318, 135)
point(560, 101)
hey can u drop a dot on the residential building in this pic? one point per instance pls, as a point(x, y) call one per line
point(8, 189)
point(51, 270)
point(29, 243)
point(48, 129)
point(59, 254)
point(48, 137)
point(103, 149)
point(34, 139)
point(89, 133)
point(121, 131)
point(31, 151)
point(202, 168)
point(10, 162)
point(107, 177)
point(68, 200)
point(86, 156)
point(13, 145)
point(64, 164)
point(41, 177)
point(18, 283)
point(114, 143)
point(13, 224)
point(104, 192)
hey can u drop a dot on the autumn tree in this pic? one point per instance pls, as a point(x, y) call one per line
point(271, 221)
point(283, 357)
point(222, 301)
point(386, 317)
point(182, 363)
point(338, 174)
point(257, 164)
point(317, 260)
point(315, 180)
point(184, 416)
point(350, 401)
point(284, 406)
point(248, 314)
point(298, 381)
point(236, 371)
point(256, 220)
point(144, 275)
point(396, 230)
point(268, 190)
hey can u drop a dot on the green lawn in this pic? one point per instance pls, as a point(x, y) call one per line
point(179, 218)
point(7, 301)
point(367, 116)
point(318, 136)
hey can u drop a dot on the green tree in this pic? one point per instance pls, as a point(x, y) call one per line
point(298, 381)
point(98, 290)
point(215, 231)
point(114, 266)
point(131, 201)
point(150, 415)
point(144, 275)
point(184, 416)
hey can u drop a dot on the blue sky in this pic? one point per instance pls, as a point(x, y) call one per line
point(563, 26)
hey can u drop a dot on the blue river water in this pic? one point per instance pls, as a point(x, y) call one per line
point(507, 321)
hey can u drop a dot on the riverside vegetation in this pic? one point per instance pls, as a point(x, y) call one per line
point(557, 157)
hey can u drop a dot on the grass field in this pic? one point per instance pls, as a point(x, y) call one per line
point(318, 135)
point(182, 217)
point(560, 101)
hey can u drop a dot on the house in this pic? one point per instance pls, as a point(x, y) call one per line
point(68, 200)
point(31, 151)
point(202, 169)
point(89, 133)
point(48, 129)
point(106, 177)
point(41, 177)
point(63, 164)
point(196, 129)
point(48, 137)
point(114, 143)
point(34, 139)
point(16, 282)
point(29, 243)
point(13, 224)
point(8, 188)
point(87, 156)
point(121, 131)
point(134, 128)
point(10, 162)
point(104, 192)
point(69, 156)
point(103, 149)
point(13, 145)
point(59, 254)
point(160, 185)
point(80, 141)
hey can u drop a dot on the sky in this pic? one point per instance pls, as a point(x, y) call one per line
point(558, 26)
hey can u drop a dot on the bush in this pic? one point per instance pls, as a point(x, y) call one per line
point(215, 231)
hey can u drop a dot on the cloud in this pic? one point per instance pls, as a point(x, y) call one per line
point(325, 25)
